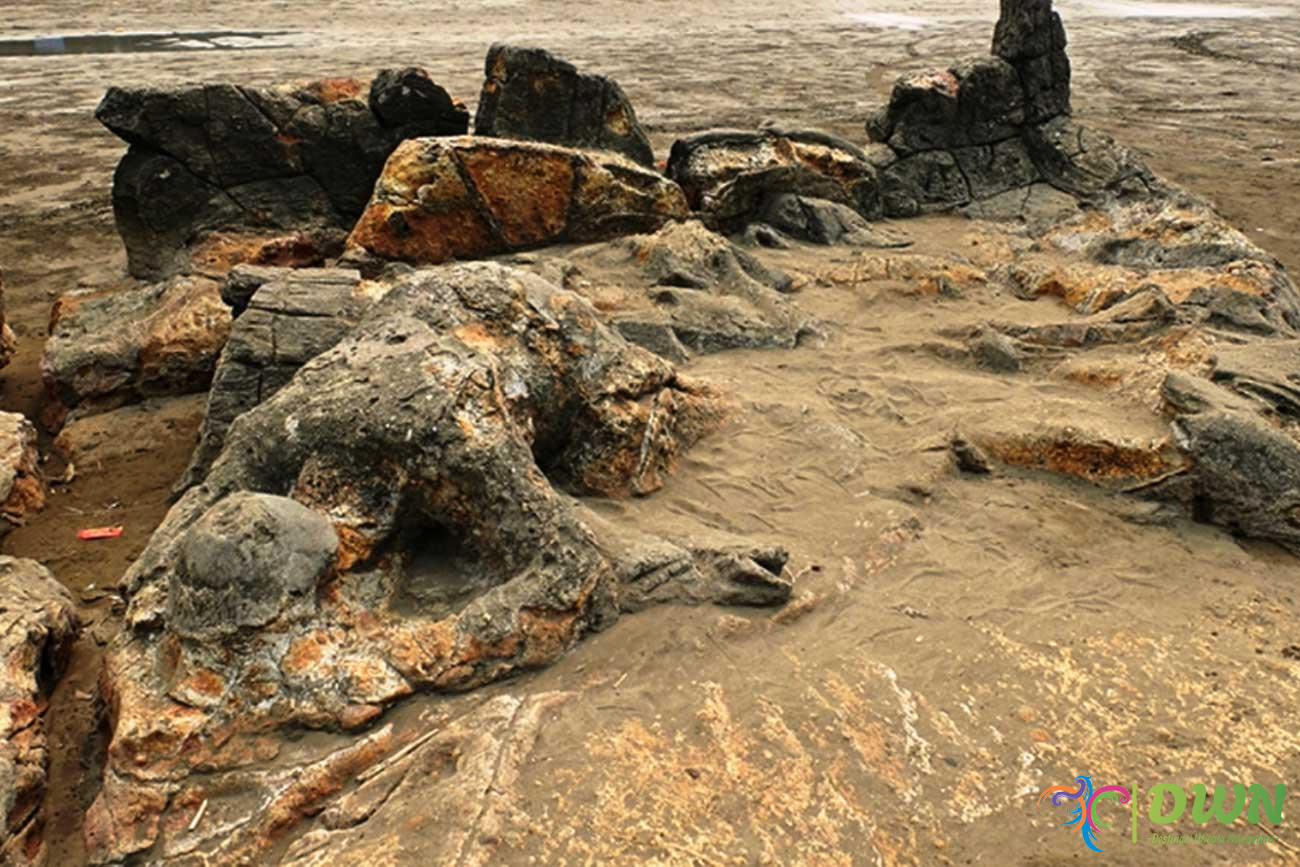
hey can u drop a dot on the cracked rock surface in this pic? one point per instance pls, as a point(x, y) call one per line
point(220, 173)
point(38, 625)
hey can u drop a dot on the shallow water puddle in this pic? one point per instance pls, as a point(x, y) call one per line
point(1122, 9)
point(125, 43)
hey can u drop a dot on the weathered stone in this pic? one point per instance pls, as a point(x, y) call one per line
point(823, 222)
point(696, 291)
point(1089, 454)
point(1031, 37)
point(729, 176)
point(38, 626)
point(385, 523)
point(974, 103)
point(470, 197)
point(105, 351)
point(1245, 476)
point(22, 484)
point(1084, 162)
point(532, 94)
point(923, 183)
point(1001, 123)
point(127, 433)
point(250, 560)
point(411, 103)
point(285, 319)
point(1264, 371)
point(996, 352)
point(218, 174)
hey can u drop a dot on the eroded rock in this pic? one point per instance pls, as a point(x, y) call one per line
point(38, 626)
point(693, 291)
point(219, 174)
point(386, 522)
point(285, 319)
point(987, 129)
point(22, 484)
point(470, 197)
point(731, 176)
point(532, 94)
point(106, 351)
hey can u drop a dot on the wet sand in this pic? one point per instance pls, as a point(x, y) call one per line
point(951, 610)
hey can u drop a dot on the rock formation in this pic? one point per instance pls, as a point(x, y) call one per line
point(38, 626)
point(285, 318)
point(386, 522)
point(530, 93)
point(688, 291)
point(218, 174)
point(992, 127)
point(472, 197)
point(22, 484)
point(106, 351)
point(730, 176)
point(385, 498)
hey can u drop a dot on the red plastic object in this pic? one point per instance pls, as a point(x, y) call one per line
point(99, 533)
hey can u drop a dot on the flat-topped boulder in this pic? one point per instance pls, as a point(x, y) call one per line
point(220, 173)
point(470, 197)
point(532, 94)
point(109, 350)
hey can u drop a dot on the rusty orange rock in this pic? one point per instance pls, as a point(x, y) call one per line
point(22, 484)
point(464, 198)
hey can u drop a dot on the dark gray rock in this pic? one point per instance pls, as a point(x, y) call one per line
point(1086, 163)
point(1031, 36)
point(250, 560)
point(979, 102)
point(246, 167)
point(288, 317)
point(995, 351)
point(409, 101)
point(923, 183)
point(1246, 475)
point(532, 94)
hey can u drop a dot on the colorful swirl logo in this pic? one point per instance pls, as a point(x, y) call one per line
point(1085, 798)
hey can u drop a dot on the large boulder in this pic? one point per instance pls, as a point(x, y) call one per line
point(470, 197)
point(532, 94)
point(106, 351)
point(386, 522)
point(38, 627)
point(22, 484)
point(731, 176)
point(218, 173)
